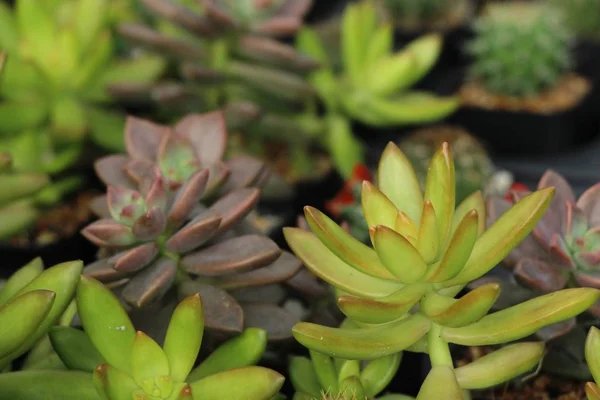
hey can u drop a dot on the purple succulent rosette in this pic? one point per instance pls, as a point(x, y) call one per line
point(562, 251)
point(155, 233)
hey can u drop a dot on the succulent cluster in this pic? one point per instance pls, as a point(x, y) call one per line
point(520, 48)
point(424, 253)
point(373, 84)
point(155, 233)
point(472, 165)
point(581, 16)
point(61, 60)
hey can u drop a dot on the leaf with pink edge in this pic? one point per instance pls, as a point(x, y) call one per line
point(125, 205)
point(142, 138)
point(107, 233)
point(207, 134)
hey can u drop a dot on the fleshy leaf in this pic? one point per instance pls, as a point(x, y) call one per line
point(475, 202)
point(378, 374)
point(398, 255)
point(75, 348)
point(303, 377)
point(592, 352)
point(115, 383)
point(440, 384)
point(378, 209)
point(239, 384)
point(440, 190)
point(428, 242)
point(325, 370)
point(22, 277)
point(148, 362)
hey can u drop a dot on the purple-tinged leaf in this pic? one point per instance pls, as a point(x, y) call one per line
point(240, 254)
point(180, 15)
point(274, 294)
point(194, 234)
point(117, 284)
point(156, 196)
point(564, 191)
point(575, 224)
point(270, 51)
point(139, 170)
point(244, 172)
point(108, 233)
point(557, 330)
point(165, 44)
point(207, 134)
point(99, 206)
point(221, 311)
point(589, 202)
point(219, 17)
point(125, 205)
point(559, 251)
point(218, 175)
point(275, 320)
point(150, 225)
point(279, 26)
point(295, 8)
point(589, 260)
point(282, 269)
point(112, 170)
point(143, 137)
point(234, 206)
point(135, 259)
point(308, 284)
point(187, 197)
point(103, 271)
point(150, 284)
point(540, 275)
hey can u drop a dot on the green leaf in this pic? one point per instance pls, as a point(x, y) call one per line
point(398, 255)
point(239, 384)
point(148, 361)
point(362, 344)
point(344, 147)
point(107, 128)
point(91, 65)
point(592, 352)
point(17, 116)
point(440, 384)
point(428, 242)
point(241, 351)
point(20, 318)
point(22, 277)
point(351, 388)
point(184, 337)
point(9, 35)
point(475, 202)
point(339, 242)
point(427, 48)
point(378, 374)
point(90, 17)
point(69, 122)
point(397, 180)
point(330, 268)
point(524, 319)
point(144, 69)
point(47, 385)
point(114, 383)
point(440, 190)
point(17, 217)
point(351, 42)
point(325, 371)
point(504, 235)
point(378, 209)
point(38, 30)
point(106, 323)
point(75, 349)
point(500, 366)
point(384, 309)
point(19, 185)
point(309, 43)
point(303, 376)
point(468, 309)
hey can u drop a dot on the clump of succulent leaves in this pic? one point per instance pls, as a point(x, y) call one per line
point(581, 16)
point(426, 14)
point(473, 167)
point(125, 364)
point(156, 234)
point(230, 58)
point(402, 292)
point(61, 60)
point(373, 83)
point(537, 40)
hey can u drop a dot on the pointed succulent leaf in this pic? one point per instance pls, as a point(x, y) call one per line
point(325, 371)
point(400, 257)
point(241, 351)
point(500, 366)
point(440, 190)
point(406, 227)
point(378, 374)
point(589, 202)
point(106, 323)
point(48, 384)
point(540, 275)
point(458, 251)
point(106, 232)
point(187, 197)
point(575, 224)
point(111, 170)
point(234, 206)
point(504, 235)
point(384, 309)
point(275, 320)
point(239, 384)
point(22, 277)
point(474, 202)
point(317, 257)
point(398, 181)
point(197, 232)
point(343, 245)
point(564, 193)
point(142, 138)
point(148, 361)
point(75, 348)
point(378, 209)
point(156, 196)
point(347, 369)
point(150, 225)
point(125, 205)
point(428, 242)
point(239, 254)
point(184, 337)
point(207, 134)
point(116, 384)
point(362, 344)
point(440, 384)
point(103, 271)
point(303, 377)
point(20, 318)
point(592, 352)
point(151, 283)
point(135, 259)
point(524, 319)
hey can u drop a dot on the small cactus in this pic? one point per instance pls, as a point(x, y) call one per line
point(520, 49)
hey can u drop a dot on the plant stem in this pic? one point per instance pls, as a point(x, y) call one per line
point(439, 352)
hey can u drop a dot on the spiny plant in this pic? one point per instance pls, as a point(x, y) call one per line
point(126, 364)
point(520, 48)
point(61, 60)
point(581, 16)
point(424, 253)
point(373, 85)
point(156, 234)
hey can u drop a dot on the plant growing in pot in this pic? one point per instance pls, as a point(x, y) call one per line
point(425, 252)
point(562, 252)
point(521, 96)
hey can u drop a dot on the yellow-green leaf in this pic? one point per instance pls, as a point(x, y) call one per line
point(378, 373)
point(475, 202)
point(440, 190)
point(440, 384)
point(592, 352)
point(398, 255)
point(378, 209)
point(325, 371)
point(239, 384)
point(303, 377)
point(22, 277)
point(428, 242)
point(148, 361)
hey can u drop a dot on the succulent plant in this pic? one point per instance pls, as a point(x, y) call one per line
point(520, 48)
point(415, 14)
point(592, 356)
point(581, 16)
point(472, 164)
point(126, 364)
point(61, 59)
point(425, 252)
point(373, 86)
point(156, 234)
